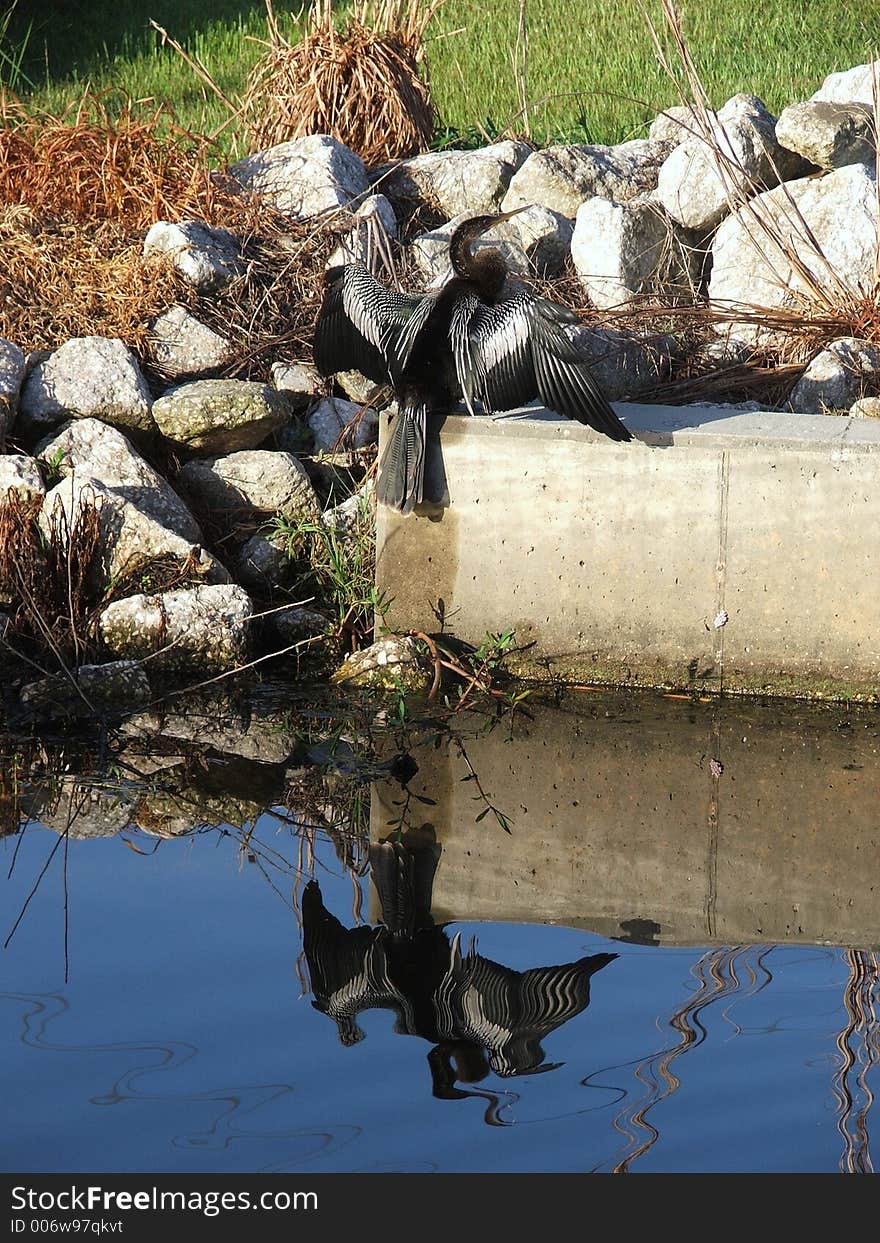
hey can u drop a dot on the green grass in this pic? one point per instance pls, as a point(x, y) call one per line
point(592, 74)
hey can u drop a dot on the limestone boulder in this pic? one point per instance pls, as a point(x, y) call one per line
point(625, 364)
point(220, 416)
point(94, 450)
point(12, 373)
point(117, 686)
point(88, 377)
point(543, 236)
point(130, 537)
point(469, 182)
point(750, 268)
point(305, 177)
point(247, 486)
point(217, 720)
point(201, 629)
point(672, 126)
point(22, 473)
point(207, 258)
point(262, 564)
point(561, 178)
point(373, 221)
point(355, 516)
point(394, 663)
point(696, 181)
point(182, 346)
point(293, 624)
point(299, 382)
point(851, 86)
point(828, 135)
point(865, 408)
point(624, 250)
point(837, 377)
point(334, 417)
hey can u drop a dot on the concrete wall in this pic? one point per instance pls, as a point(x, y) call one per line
point(614, 560)
point(620, 821)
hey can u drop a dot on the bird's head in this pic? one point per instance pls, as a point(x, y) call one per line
point(462, 258)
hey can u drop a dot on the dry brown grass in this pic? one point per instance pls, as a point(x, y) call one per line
point(50, 581)
point(77, 195)
point(362, 82)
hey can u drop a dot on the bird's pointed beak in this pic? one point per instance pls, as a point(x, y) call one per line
point(502, 216)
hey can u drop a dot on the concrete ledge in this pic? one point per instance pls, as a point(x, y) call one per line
point(614, 561)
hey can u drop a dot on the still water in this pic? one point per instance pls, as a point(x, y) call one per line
point(615, 935)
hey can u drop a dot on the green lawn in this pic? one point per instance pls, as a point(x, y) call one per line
point(593, 74)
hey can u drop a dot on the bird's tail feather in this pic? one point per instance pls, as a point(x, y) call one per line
point(402, 473)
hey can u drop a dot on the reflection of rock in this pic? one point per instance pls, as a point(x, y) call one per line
point(476, 1012)
point(217, 721)
point(79, 809)
point(171, 813)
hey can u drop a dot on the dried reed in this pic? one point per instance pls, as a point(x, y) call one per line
point(362, 82)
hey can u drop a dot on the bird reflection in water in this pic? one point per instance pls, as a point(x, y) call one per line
point(479, 1015)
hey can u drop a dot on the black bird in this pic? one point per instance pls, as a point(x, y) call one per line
point(481, 336)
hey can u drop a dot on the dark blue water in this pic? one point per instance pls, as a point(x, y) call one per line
point(184, 1041)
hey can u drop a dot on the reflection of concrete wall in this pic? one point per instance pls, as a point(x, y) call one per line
point(614, 560)
point(617, 816)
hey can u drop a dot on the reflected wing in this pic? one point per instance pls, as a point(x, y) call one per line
point(518, 349)
point(364, 326)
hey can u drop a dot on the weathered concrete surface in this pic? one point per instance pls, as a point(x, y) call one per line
point(615, 561)
point(622, 823)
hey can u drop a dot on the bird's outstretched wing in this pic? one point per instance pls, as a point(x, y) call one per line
point(518, 349)
point(364, 326)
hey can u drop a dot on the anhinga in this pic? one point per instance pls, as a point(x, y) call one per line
point(479, 336)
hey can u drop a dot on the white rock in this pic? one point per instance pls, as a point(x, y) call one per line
point(673, 125)
point(306, 176)
point(544, 236)
point(245, 486)
point(263, 564)
point(94, 450)
point(749, 270)
point(393, 663)
point(695, 183)
point(130, 537)
point(561, 178)
point(473, 182)
point(334, 416)
point(12, 373)
point(828, 135)
point(182, 345)
point(850, 85)
point(374, 218)
point(299, 382)
point(622, 250)
point(88, 377)
point(207, 258)
point(220, 416)
point(837, 377)
point(22, 473)
point(354, 516)
point(866, 408)
point(199, 628)
point(624, 364)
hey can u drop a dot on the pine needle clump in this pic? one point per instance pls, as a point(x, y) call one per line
point(364, 82)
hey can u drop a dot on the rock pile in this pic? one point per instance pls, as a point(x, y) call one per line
point(742, 208)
